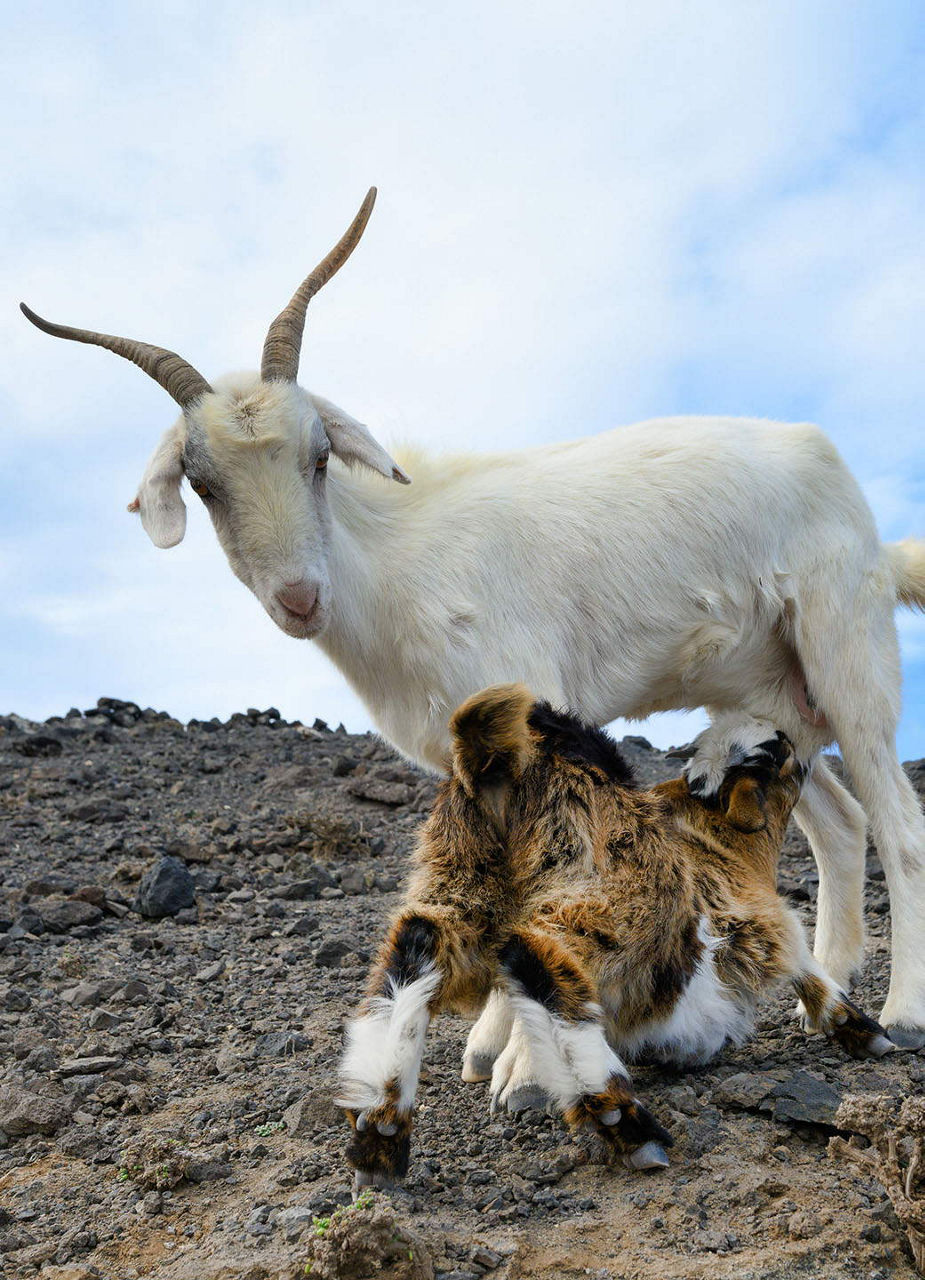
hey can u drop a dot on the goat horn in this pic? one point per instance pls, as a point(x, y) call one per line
point(171, 371)
point(284, 339)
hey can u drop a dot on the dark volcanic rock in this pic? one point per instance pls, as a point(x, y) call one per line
point(165, 890)
point(806, 1098)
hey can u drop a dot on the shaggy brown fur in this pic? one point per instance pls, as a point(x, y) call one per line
point(543, 870)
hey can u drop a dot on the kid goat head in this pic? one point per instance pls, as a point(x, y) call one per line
point(255, 448)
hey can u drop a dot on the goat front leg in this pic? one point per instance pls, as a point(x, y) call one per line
point(826, 1007)
point(418, 964)
point(558, 1017)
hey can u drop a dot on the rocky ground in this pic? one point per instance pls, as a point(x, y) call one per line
point(165, 1082)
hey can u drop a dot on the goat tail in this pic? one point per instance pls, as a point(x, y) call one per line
point(492, 741)
point(907, 560)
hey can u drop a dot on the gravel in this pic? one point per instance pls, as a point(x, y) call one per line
point(186, 918)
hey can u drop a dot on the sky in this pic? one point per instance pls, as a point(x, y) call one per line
point(588, 214)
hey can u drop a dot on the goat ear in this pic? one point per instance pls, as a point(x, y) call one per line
point(352, 443)
point(162, 510)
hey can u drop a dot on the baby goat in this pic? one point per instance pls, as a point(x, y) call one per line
point(613, 921)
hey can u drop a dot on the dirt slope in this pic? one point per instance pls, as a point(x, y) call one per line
point(164, 1084)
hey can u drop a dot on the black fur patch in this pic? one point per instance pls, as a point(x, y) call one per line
point(526, 968)
point(564, 735)
point(414, 949)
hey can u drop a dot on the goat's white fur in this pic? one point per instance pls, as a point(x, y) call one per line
point(682, 562)
point(385, 1045)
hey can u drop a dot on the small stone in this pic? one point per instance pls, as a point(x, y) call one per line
point(332, 951)
point(294, 1220)
point(803, 1225)
point(746, 1089)
point(90, 1066)
point(165, 889)
point(313, 1112)
point(280, 1044)
point(806, 1099)
point(485, 1257)
point(310, 886)
point(15, 1000)
point(22, 1112)
point(60, 915)
point(388, 793)
point(209, 1170)
point(211, 971)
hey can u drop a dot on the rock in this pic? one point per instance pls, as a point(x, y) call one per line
point(38, 744)
point(45, 886)
point(310, 1114)
point(294, 1220)
point(165, 889)
point(15, 1000)
point(806, 1099)
point(332, 951)
point(310, 886)
point(389, 793)
point(280, 1044)
point(91, 993)
point(59, 915)
point(88, 1066)
point(803, 1225)
point(211, 971)
point(209, 1170)
point(746, 1089)
point(485, 1257)
point(22, 1112)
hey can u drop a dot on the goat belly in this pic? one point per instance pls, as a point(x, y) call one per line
point(706, 1016)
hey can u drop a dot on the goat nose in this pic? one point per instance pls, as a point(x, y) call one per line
point(299, 598)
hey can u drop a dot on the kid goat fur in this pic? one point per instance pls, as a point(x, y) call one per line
point(685, 562)
point(607, 920)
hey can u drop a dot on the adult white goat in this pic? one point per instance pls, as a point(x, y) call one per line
point(684, 562)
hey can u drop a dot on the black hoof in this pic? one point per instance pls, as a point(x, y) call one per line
point(906, 1037)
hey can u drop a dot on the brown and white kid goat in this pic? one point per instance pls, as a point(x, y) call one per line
point(613, 921)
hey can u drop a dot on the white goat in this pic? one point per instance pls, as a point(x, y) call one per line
point(684, 562)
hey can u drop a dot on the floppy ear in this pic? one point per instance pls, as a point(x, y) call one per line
point(162, 510)
point(352, 443)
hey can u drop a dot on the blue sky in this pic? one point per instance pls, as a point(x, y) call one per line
point(587, 215)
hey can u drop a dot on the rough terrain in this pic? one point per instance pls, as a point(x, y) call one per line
point(165, 1082)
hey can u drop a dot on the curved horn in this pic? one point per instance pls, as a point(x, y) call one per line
point(178, 378)
point(284, 339)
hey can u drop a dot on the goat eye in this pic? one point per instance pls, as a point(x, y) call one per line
point(321, 462)
point(202, 489)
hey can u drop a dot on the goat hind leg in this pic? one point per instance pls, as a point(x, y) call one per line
point(836, 827)
point(558, 1016)
point(852, 666)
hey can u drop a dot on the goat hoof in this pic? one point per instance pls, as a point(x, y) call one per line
point(651, 1155)
point(477, 1067)
point(904, 1037)
point(387, 1130)
point(611, 1117)
point(527, 1097)
point(362, 1122)
point(363, 1180)
point(880, 1046)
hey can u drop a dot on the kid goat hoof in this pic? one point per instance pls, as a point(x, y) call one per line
point(652, 1155)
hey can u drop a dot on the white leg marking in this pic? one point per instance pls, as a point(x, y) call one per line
point(386, 1044)
point(836, 827)
point(488, 1037)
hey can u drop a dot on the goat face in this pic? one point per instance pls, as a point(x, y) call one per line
point(256, 452)
point(255, 448)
